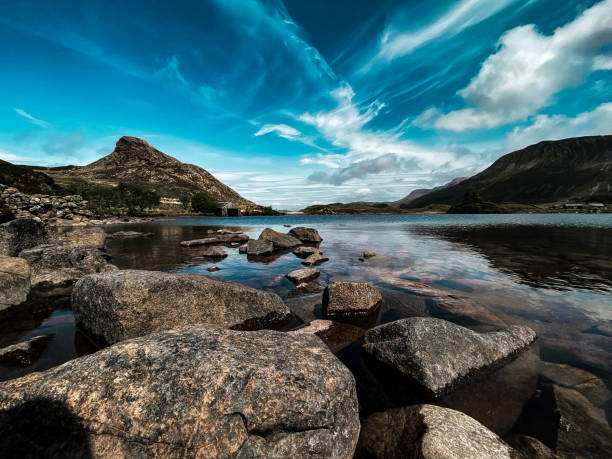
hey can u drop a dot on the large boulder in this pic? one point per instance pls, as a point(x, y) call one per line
point(309, 235)
point(14, 281)
point(350, 299)
point(56, 267)
point(435, 356)
point(257, 248)
point(119, 305)
point(281, 241)
point(21, 234)
point(197, 391)
point(428, 432)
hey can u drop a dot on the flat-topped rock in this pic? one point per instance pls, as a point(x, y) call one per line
point(259, 248)
point(83, 237)
point(310, 235)
point(304, 275)
point(213, 252)
point(223, 238)
point(119, 305)
point(196, 391)
point(346, 299)
point(428, 432)
point(25, 353)
point(128, 234)
point(304, 251)
point(14, 281)
point(314, 259)
point(436, 355)
point(281, 241)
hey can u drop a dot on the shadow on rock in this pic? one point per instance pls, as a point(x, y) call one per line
point(42, 428)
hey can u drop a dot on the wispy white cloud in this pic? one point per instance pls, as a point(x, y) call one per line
point(32, 119)
point(396, 42)
point(282, 130)
point(529, 68)
point(554, 127)
point(172, 72)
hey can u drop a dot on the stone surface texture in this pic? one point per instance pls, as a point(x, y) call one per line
point(428, 432)
point(438, 355)
point(305, 251)
point(14, 281)
point(350, 298)
point(197, 391)
point(281, 241)
point(119, 305)
point(314, 259)
point(21, 234)
point(25, 353)
point(303, 275)
point(306, 234)
point(259, 248)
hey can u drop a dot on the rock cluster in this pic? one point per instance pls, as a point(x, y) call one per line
point(47, 208)
point(119, 305)
point(198, 391)
point(279, 240)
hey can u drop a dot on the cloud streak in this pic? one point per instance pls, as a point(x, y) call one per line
point(31, 118)
point(282, 130)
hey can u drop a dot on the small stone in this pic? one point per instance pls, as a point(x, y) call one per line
point(213, 269)
point(305, 251)
point(314, 259)
point(368, 254)
point(342, 299)
point(303, 275)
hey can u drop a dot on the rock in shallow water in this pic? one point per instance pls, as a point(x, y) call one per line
point(305, 251)
point(119, 305)
point(428, 432)
point(14, 281)
point(350, 299)
point(314, 259)
point(281, 241)
point(259, 248)
point(198, 391)
point(25, 353)
point(304, 275)
point(436, 355)
point(306, 234)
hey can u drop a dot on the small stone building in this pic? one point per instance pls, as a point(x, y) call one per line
point(227, 209)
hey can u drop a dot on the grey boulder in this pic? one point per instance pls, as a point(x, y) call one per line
point(55, 268)
point(304, 275)
point(314, 259)
point(20, 234)
point(346, 299)
point(259, 248)
point(14, 281)
point(309, 235)
point(196, 391)
point(279, 240)
point(436, 355)
point(305, 251)
point(428, 432)
point(119, 305)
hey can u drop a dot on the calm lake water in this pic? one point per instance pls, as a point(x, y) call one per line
point(551, 272)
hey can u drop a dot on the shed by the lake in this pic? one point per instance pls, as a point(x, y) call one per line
point(227, 209)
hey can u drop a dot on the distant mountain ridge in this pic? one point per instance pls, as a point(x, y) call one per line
point(136, 162)
point(415, 194)
point(549, 171)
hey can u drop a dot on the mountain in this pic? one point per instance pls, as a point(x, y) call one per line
point(136, 162)
point(26, 179)
point(547, 172)
point(423, 191)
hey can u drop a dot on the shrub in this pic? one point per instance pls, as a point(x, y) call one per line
point(203, 202)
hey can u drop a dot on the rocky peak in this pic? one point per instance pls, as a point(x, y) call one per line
point(133, 149)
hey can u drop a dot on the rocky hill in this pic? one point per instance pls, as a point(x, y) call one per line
point(547, 172)
point(136, 162)
point(26, 179)
point(415, 194)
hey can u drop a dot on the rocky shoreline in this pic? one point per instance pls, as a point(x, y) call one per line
point(192, 365)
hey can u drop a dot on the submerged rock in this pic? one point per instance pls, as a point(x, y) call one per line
point(302, 276)
point(14, 281)
point(223, 238)
point(281, 241)
point(305, 251)
point(335, 334)
point(306, 234)
point(119, 305)
point(436, 355)
point(589, 385)
point(350, 299)
point(129, 235)
point(259, 248)
point(530, 448)
point(55, 268)
point(582, 429)
point(25, 353)
point(428, 432)
point(314, 259)
point(20, 234)
point(213, 252)
point(197, 391)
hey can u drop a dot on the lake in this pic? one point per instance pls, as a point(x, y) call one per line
point(550, 272)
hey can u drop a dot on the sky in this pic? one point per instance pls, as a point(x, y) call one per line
point(295, 102)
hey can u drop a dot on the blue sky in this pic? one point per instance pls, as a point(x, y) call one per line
point(297, 102)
